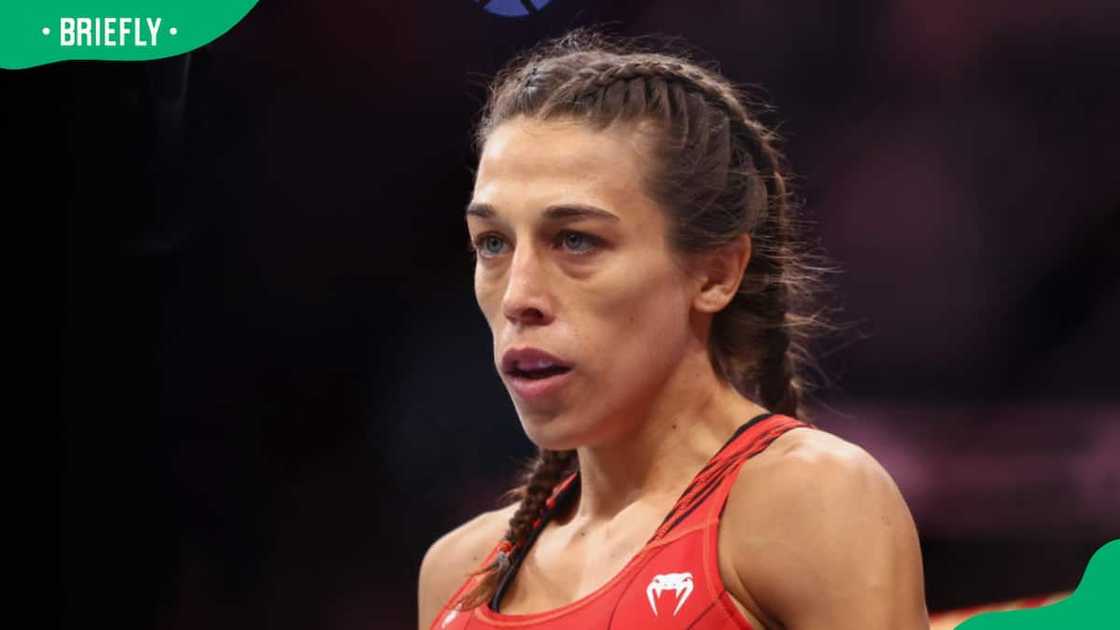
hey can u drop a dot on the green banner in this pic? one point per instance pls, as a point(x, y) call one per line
point(1095, 605)
point(44, 31)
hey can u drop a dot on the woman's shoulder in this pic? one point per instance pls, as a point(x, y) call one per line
point(812, 471)
point(455, 555)
point(809, 473)
point(468, 544)
point(814, 513)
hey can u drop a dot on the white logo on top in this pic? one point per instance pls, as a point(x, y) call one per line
point(679, 583)
point(450, 617)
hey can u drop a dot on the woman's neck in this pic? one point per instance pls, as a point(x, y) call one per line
point(665, 446)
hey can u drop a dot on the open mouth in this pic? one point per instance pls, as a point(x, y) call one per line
point(533, 374)
point(540, 373)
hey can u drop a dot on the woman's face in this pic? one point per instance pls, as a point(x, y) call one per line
point(573, 262)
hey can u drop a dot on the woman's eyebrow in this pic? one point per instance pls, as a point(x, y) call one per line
point(480, 210)
point(562, 212)
point(577, 211)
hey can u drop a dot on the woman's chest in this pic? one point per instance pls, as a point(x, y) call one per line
point(672, 585)
point(562, 569)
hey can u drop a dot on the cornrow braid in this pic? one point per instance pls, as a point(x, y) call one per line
point(718, 174)
point(605, 74)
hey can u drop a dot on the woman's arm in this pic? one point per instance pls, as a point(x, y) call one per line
point(822, 538)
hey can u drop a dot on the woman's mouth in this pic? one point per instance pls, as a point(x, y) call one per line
point(533, 374)
point(531, 385)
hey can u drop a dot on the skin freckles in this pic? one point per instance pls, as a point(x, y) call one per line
point(604, 294)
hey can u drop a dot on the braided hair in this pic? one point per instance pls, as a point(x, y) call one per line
point(718, 174)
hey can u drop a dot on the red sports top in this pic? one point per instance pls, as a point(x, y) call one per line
point(672, 582)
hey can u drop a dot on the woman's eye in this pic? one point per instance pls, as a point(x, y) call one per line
point(577, 242)
point(490, 245)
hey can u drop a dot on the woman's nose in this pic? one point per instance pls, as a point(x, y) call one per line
point(527, 297)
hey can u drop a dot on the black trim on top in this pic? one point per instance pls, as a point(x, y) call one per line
point(742, 428)
point(703, 496)
point(748, 424)
point(696, 502)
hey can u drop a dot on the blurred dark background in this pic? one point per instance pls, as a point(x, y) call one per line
point(276, 389)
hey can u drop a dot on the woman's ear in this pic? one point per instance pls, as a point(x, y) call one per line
point(719, 274)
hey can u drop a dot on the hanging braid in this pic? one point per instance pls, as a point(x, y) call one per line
point(719, 174)
point(542, 475)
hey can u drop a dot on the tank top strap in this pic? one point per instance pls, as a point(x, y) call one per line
point(761, 440)
point(707, 519)
point(712, 484)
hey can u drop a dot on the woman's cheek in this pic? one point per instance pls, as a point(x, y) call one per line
point(486, 295)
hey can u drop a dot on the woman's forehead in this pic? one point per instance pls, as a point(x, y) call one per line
point(525, 158)
point(527, 146)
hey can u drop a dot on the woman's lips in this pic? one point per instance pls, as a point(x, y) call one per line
point(518, 364)
point(529, 358)
point(534, 389)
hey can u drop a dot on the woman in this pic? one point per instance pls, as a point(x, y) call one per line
point(637, 265)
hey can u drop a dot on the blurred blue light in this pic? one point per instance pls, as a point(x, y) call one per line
point(513, 8)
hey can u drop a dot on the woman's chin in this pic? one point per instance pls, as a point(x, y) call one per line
point(553, 432)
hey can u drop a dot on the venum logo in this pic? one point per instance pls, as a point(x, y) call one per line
point(513, 8)
point(679, 583)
